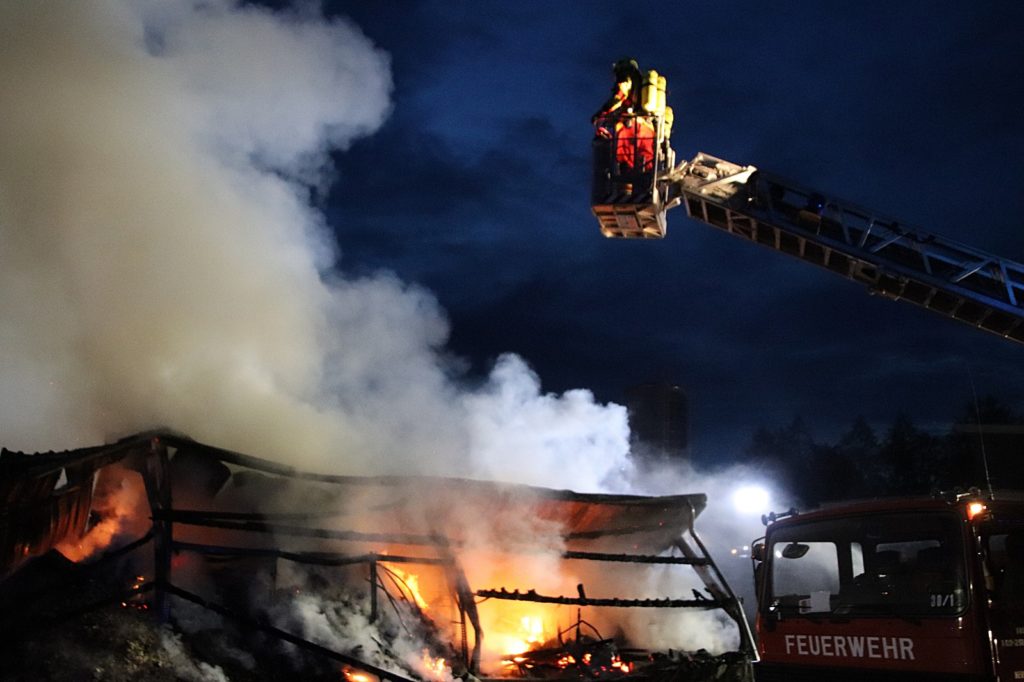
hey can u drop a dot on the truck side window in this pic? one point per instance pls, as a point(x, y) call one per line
point(798, 577)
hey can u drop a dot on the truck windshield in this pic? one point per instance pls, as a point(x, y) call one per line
point(896, 564)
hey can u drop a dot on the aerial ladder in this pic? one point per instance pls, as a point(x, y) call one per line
point(636, 181)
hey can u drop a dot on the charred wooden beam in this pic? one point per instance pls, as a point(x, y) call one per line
point(256, 523)
point(299, 531)
point(317, 558)
point(188, 515)
point(666, 603)
point(158, 490)
point(467, 610)
point(692, 502)
point(614, 532)
point(20, 464)
point(373, 591)
point(635, 558)
point(721, 591)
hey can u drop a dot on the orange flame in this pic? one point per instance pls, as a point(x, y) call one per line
point(530, 633)
point(436, 668)
point(412, 582)
point(120, 501)
point(353, 675)
point(527, 635)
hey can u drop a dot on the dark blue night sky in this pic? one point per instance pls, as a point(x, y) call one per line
point(477, 188)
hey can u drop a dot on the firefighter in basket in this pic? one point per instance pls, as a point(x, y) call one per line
point(621, 118)
point(629, 118)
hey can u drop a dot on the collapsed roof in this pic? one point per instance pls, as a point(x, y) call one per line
point(46, 497)
point(363, 520)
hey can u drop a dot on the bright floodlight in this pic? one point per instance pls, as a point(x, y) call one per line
point(751, 499)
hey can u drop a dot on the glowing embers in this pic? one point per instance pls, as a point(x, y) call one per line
point(135, 598)
point(581, 655)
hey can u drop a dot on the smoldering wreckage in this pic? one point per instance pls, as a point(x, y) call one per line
point(332, 577)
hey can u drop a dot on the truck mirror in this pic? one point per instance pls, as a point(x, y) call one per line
point(794, 550)
point(757, 552)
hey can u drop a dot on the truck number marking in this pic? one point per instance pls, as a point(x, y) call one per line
point(939, 601)
point(849, 646)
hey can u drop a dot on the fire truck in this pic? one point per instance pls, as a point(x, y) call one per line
point(904, 589)
point(910, 589)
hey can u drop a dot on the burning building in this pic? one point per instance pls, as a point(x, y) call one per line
point(397, 577)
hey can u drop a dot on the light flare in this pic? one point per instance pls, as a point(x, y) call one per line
point(751, 499)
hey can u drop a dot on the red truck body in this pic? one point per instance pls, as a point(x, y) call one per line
point(911, 589)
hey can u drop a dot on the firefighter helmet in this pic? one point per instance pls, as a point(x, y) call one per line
point(625, 68)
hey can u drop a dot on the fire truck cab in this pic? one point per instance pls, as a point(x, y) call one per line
point(910, 589)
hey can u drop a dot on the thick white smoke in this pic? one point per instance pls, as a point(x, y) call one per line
point(727, 530)
point(162, 265)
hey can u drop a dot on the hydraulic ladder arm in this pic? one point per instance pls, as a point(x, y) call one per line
point(891, 259)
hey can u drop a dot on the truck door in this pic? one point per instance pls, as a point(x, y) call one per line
point(1004, 553)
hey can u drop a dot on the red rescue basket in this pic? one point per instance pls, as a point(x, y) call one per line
point(631, 157)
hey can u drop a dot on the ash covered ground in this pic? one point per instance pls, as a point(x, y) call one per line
point(79, 628)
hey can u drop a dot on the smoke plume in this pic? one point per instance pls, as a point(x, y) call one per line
point(163, 265)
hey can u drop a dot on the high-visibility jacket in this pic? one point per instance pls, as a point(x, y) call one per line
point(619, 104)
point(634, 142)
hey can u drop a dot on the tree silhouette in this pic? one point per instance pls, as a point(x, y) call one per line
point(860, 446)
point(906, 461)
point(788, 454)
point(983, 447)
point(910, 452)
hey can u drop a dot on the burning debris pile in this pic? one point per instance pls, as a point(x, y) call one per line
point(395, 578)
